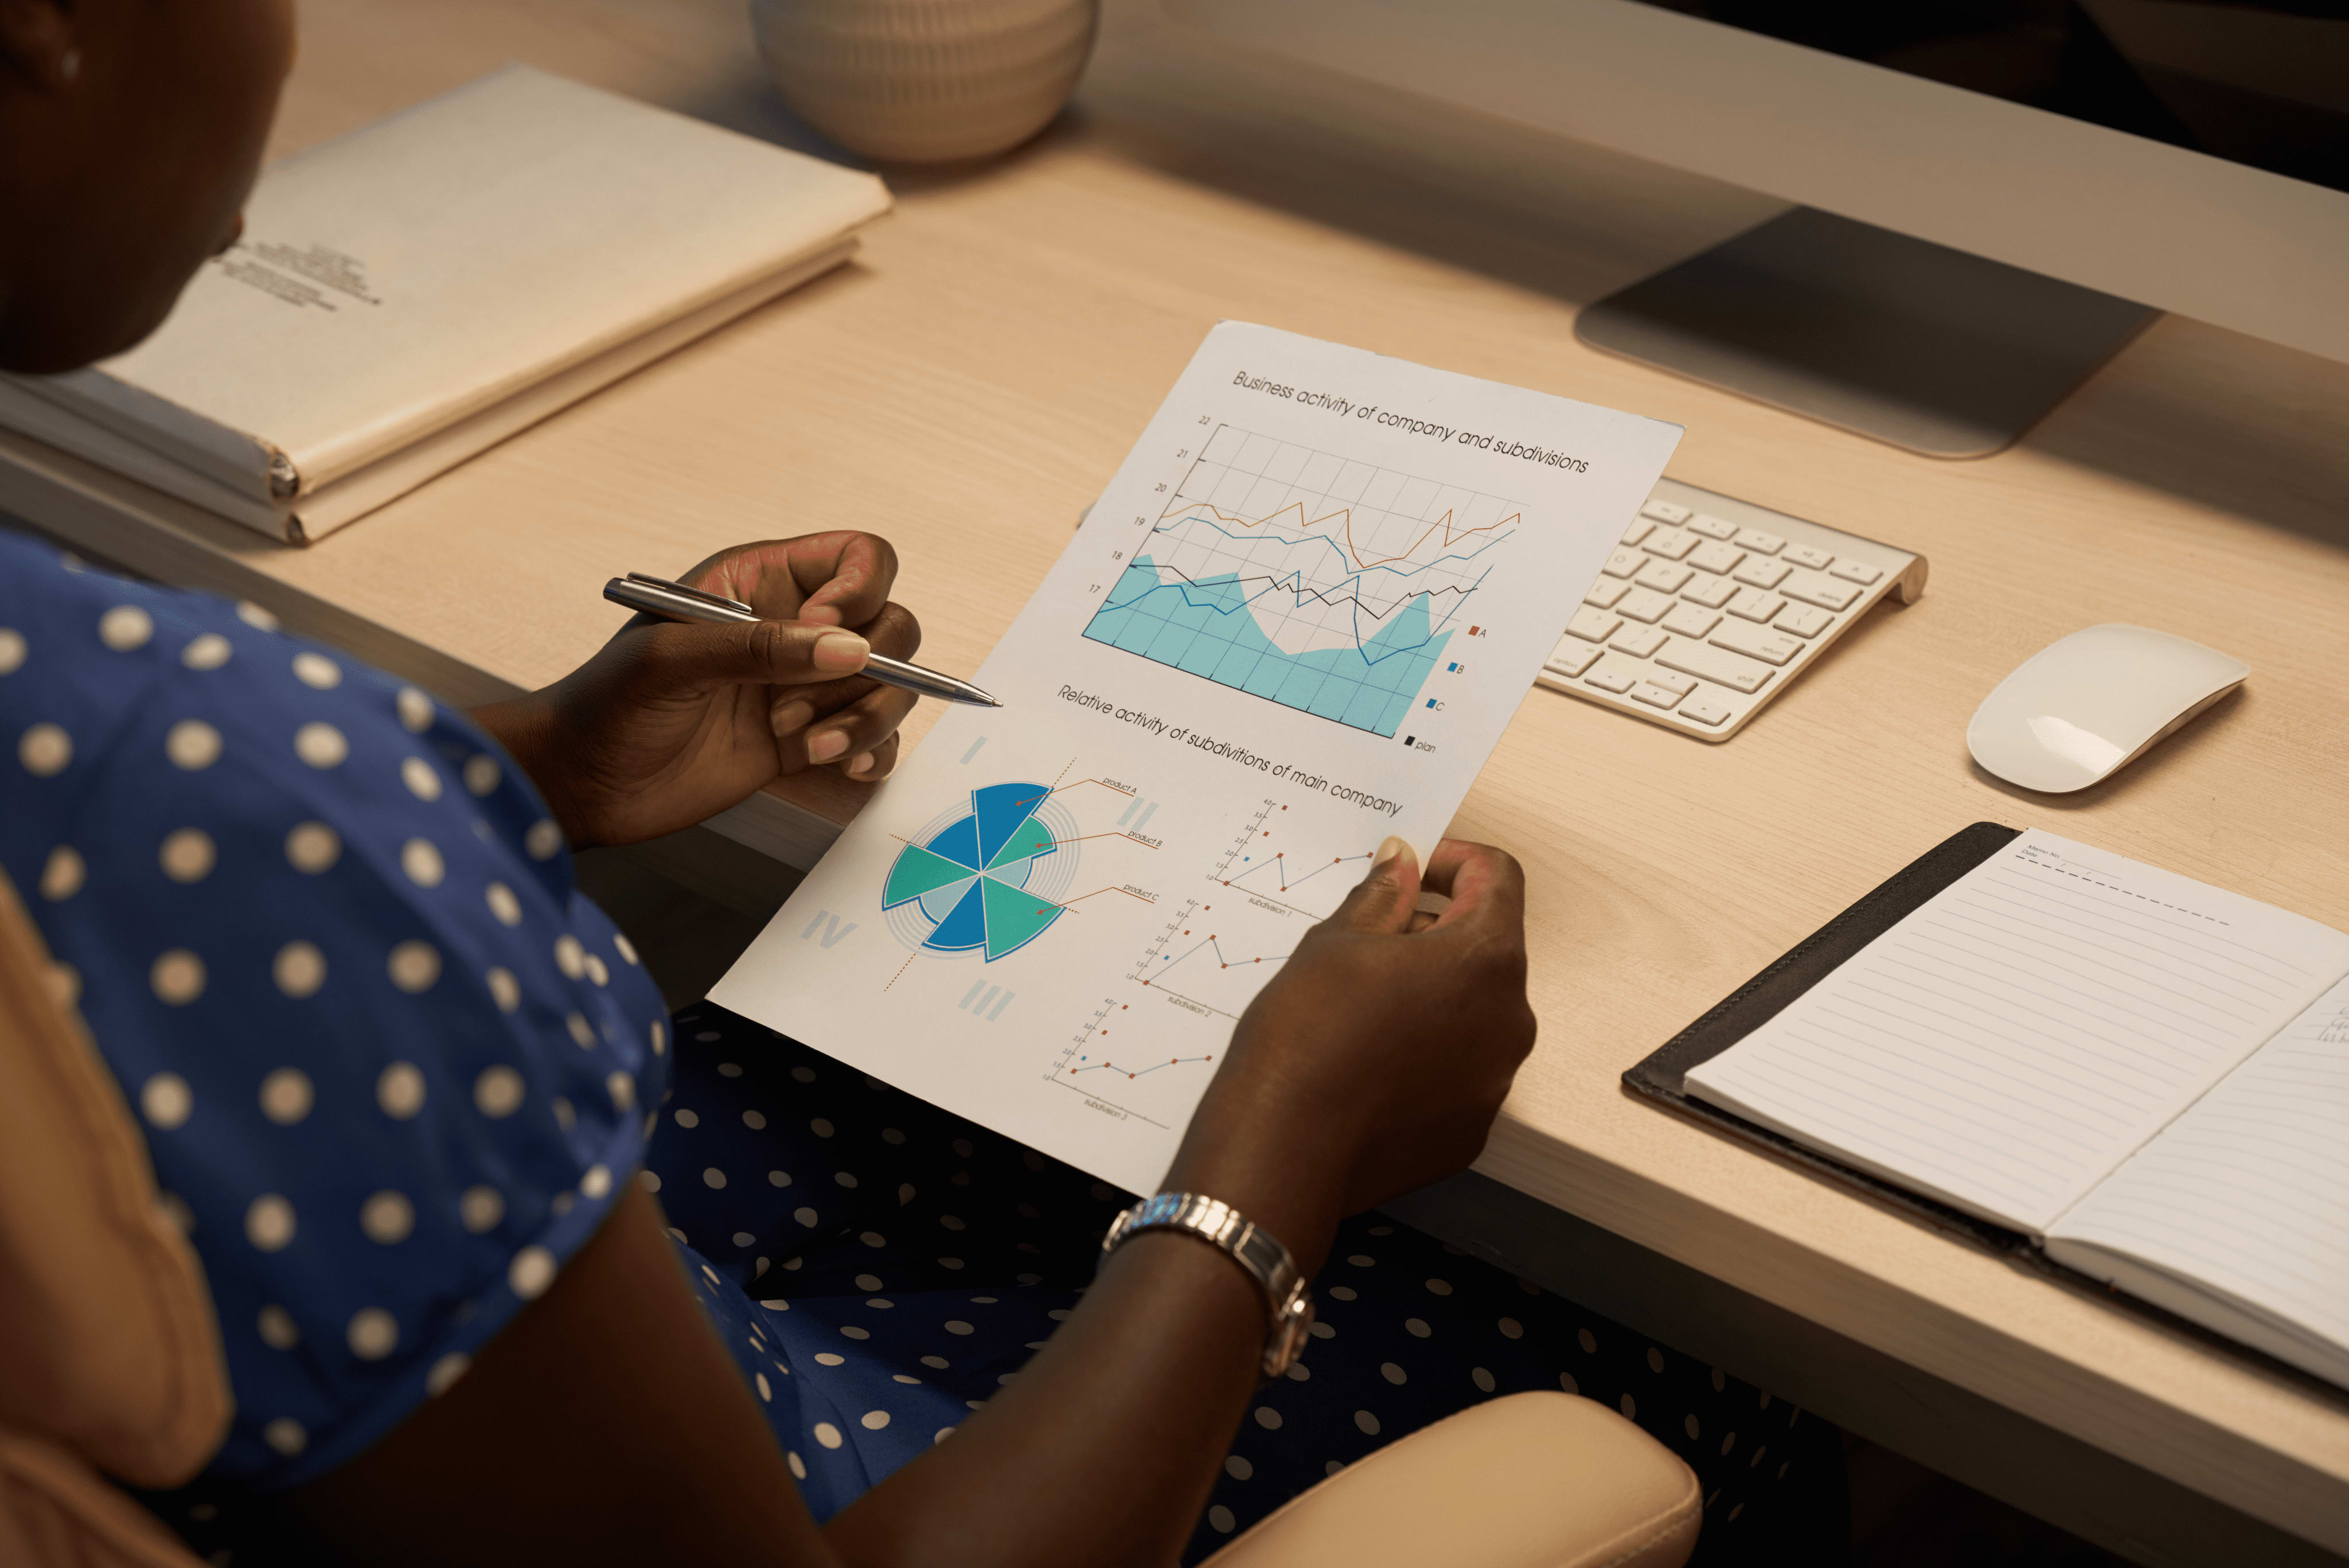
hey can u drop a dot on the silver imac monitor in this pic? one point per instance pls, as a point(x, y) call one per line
point(1992, 196)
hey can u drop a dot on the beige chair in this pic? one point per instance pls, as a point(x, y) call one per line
point(110, 1367)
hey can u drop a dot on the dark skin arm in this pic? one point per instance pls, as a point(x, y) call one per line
point(608, 1424)
point(671, 722)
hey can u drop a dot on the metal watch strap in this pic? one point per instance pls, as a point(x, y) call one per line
point(1288, 1304)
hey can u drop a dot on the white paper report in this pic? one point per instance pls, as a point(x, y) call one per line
point(1297, 621)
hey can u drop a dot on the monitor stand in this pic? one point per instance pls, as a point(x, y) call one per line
point(1943, 353)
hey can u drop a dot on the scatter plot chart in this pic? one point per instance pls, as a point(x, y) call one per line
point(1273, 863)
point(1150, 1047)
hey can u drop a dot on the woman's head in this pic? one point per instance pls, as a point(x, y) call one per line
point(131, 131)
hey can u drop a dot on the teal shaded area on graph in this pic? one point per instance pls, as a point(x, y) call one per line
point(1209, 629)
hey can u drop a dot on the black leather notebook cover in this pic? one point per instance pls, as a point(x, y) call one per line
point(1662, 1076)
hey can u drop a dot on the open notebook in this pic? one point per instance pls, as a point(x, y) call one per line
point(2146, 1077)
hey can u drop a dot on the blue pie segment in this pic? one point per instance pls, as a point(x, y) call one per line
point(998, 810)
point(973, 870)
point(964, 927)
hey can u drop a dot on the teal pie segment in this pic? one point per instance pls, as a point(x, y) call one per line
point(1027, 840)
point(968, 880)
point(917, 870)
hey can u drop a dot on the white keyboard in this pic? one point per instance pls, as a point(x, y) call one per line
point(1710, 607)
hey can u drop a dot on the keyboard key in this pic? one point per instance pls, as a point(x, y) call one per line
point(1664, 576)
point(1606, 591)
point(1717, 665)
point(1653, 695)
point(1592, 625)
point(1640, 529)
point(1818, 589)
point(1638, 642)
point(1713, 555)
point(1571, 657)
point(1804, 556)
point(1711, 528)
point(1664, 511)
point(1766, 646)
point(1644, 605)
point(1690, 620)
point(1758, 542)
point(1670, 682)
point(1755, 572)
point(1805, 621)
point(1623, 563)
point(1852, 571)
point(1671, 544)
point(1704, 710)
point(1612, 676)
point(1754, 605)
point(1709, 591)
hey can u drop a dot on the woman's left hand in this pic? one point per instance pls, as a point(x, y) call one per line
point(671, 722)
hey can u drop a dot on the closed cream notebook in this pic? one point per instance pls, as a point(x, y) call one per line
point(410, 293)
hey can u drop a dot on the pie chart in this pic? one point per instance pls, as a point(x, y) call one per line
point(970, 879)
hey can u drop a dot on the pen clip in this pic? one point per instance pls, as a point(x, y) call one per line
point(719, 601)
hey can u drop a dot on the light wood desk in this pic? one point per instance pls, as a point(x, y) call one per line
point(968, 386)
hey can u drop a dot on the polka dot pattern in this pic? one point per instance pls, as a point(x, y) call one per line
point(263, 884)
point(843, 1329)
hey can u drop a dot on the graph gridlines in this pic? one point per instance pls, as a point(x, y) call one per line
point(1323, 584)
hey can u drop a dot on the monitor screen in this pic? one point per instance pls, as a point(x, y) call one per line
point(2262, 85)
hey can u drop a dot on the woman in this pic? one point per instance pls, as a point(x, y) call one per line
point(400, 1079)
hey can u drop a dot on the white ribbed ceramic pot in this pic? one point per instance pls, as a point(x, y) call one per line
point(926, 80)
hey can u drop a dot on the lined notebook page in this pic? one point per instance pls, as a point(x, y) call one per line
point(2011, 1042)
point(2248, 1192)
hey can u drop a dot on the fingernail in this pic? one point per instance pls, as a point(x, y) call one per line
point(861, 766)
point(1387, 851)
point(841, 650)
point(826, 744)
point(821, 615)
point(792, 717)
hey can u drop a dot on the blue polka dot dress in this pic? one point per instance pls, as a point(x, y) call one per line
point(391, 1065)
point(393, 1069)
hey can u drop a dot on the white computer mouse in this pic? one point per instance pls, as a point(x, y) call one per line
point(2080, 710)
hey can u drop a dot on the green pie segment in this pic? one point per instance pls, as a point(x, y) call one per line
point(1013, 915)
point(1030, 839)
point(917, 871)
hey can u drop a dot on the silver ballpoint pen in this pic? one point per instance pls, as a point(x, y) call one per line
point(658, 595)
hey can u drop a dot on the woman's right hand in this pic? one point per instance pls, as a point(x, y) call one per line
point(1375, 1062)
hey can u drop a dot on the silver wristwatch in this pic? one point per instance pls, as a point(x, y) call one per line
point(1289, 1306)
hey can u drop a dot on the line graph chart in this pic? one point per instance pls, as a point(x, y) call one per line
point(1326, 585)
point(1268, 862)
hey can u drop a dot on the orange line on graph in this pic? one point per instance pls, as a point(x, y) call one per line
point(1346, 527)
point(1143, 842)
point(1047, 904)
point(1080, 784)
